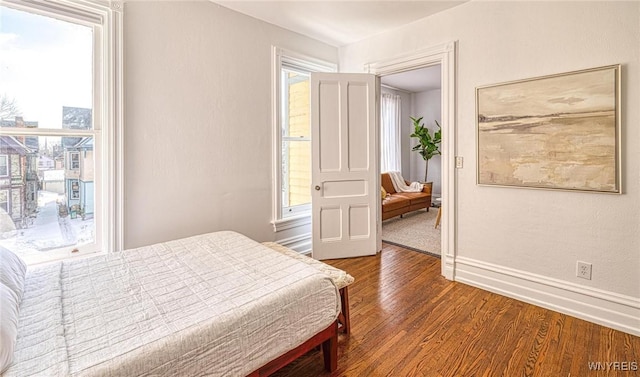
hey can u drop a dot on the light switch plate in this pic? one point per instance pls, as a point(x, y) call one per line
point(459, 162)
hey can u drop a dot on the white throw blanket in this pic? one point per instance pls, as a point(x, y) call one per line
point(400, 185)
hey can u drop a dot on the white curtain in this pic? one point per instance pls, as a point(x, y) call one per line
point(390, 158)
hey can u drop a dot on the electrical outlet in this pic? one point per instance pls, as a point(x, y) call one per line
point(584, 270)
point(459, 162)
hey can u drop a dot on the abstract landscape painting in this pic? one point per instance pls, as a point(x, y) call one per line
point(555, 132)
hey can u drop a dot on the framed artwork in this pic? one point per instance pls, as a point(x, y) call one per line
point(553, 132)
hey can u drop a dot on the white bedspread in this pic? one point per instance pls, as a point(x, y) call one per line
point(218, 304)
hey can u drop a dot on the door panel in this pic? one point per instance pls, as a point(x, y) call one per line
point(329, 112)
point(345, 207)
point(358, 127)
point(336, 189)
point(330, 224)
point(358, 222)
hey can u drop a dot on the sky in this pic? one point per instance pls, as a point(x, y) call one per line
point(45, 64)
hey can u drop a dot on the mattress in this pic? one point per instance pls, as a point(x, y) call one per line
point(217, 304)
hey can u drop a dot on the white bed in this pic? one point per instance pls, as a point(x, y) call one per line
point(217, 304)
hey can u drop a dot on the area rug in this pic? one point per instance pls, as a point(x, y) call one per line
point(414, 231)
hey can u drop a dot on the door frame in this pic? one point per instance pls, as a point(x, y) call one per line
point(445, 55)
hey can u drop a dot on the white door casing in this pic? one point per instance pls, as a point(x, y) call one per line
point(345, 178)
point(445, 55)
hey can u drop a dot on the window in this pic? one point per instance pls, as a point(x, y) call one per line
point(292, 130)
point(296, 141)
point(4, 165)
point(4, 198)
point(75, 160)
point(75, 189)
point(59, 108)
point(390, 135)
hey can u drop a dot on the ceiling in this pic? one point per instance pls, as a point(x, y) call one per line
point(415, 81)
point(339, 23)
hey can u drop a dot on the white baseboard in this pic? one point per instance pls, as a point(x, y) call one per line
point(447, 266)
point(300, 243)
point(609, 309)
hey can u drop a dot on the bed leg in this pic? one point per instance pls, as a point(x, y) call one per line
point(344, 314)
point(330, 352)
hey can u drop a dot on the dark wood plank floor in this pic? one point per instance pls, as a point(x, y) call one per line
point(408, 320)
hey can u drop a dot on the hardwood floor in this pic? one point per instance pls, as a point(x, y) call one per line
point(408, 320)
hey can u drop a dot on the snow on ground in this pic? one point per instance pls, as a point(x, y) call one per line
point(48, 232)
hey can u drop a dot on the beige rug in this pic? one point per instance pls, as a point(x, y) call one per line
point(415, 231)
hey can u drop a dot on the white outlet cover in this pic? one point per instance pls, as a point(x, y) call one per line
point(583, 270)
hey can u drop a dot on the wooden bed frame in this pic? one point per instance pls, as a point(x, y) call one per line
point(328, 338)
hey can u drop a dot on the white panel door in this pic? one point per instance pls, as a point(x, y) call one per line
point(346, 181)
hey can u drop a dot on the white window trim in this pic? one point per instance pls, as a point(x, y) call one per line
point(280, 57)
point(108, 103)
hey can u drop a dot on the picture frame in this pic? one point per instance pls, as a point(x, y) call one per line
point(558, 132)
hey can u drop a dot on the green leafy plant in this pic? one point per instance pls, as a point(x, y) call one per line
point(428, 144)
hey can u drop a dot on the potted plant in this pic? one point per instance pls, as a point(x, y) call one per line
point(428, 144)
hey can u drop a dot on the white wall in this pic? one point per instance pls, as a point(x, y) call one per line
point(198, 119)
point(524, 242)
point(427, 104)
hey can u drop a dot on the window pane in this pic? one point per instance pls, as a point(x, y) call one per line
point(4, 165)
point(47, 198)
point(296, 133)
point(45, 204)
point(296, 120)
point(297, 174)
point(46, 72)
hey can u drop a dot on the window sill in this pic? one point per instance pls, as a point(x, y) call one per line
point(292, 222)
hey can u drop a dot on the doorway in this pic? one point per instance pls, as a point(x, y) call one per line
point(412, 94)
point(444, 55)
